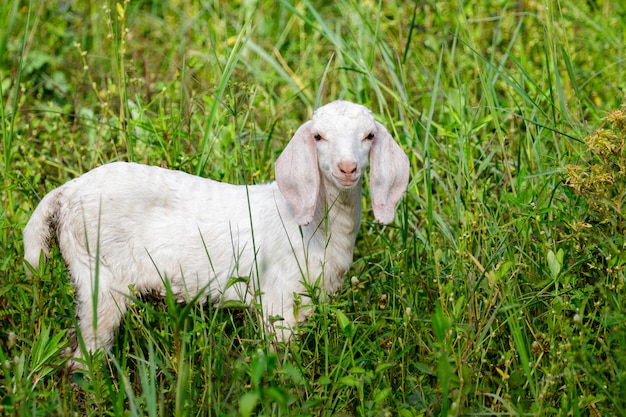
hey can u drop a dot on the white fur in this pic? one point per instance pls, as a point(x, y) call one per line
point(133, 226)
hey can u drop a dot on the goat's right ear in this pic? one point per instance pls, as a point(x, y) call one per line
point(297, 174)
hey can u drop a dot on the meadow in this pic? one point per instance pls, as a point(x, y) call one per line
point(498, 289)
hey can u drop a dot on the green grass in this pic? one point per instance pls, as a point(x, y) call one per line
point(499, 289)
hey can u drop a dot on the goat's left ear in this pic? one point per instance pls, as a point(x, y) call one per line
point(389, 174)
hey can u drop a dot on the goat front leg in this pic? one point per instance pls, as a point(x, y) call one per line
point(282, 319)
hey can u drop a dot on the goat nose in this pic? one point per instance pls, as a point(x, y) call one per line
point(347, 167)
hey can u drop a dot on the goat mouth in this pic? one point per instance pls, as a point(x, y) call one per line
point(345, 182)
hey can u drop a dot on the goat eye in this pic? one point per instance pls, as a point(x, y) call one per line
point(370, 136)
point(317, 137)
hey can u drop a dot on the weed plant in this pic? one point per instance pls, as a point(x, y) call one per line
point(499, 289)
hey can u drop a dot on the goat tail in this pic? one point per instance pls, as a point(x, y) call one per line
point(38, 230)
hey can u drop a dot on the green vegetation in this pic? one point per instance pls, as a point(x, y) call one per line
point(499, 289)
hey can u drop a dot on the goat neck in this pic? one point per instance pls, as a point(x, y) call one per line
point(337, 218)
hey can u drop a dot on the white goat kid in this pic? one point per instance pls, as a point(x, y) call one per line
point(124, 227)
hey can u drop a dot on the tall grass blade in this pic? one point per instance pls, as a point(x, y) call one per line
point(226, 73)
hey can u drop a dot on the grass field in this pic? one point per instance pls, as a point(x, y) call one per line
point(499, 289)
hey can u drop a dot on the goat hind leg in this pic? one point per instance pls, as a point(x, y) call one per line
point(98, 314)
